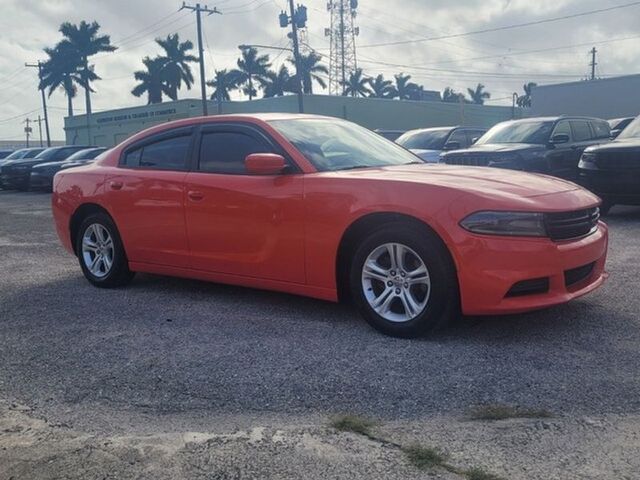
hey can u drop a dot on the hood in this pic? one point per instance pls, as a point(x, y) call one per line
point(621, 145)
point(487, 182)
point(499, 148)
point(47, 165)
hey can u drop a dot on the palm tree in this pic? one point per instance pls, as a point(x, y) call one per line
point(276, 84)
point(83, 41)
point(449, 95)
point(356, 84)
point(151, 80)
point(525, 100)
point(251, 67)
point(177, 58)
point(311, 71)
point(478, 95)
point(223, 83)
point(380, 88)
point(404, 89)
point(61, 71)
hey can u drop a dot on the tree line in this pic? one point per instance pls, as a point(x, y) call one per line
point(68, 68)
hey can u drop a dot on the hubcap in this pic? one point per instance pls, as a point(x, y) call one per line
point(396, 282)
point(97, 250)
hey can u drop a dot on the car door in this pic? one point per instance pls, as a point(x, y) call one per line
point(240, 224)
point(146, 198)
point(560, 157)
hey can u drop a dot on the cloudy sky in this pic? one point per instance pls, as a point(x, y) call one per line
point(502, 60)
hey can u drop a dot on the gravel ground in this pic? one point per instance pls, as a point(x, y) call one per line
point(103, 375)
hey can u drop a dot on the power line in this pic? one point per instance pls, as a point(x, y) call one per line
point(502, 28)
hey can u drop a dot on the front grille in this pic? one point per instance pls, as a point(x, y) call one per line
point(618, 160)
point(469, 159)
point(576, 275)
point(529, 287)
point(569, 225)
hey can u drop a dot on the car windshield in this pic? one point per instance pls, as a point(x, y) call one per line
point(424, 139)
point(340, 145)
point(47, 153)
point(535, 132)
point(632, 130)
point(17, 154)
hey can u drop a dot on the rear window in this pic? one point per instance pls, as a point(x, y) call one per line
point(167, 154)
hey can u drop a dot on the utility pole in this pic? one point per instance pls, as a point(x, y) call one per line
point(44, 99)
point(297, 19)
point(40, 129)
point(27, 129)
point(199, 9)
point(593, 63)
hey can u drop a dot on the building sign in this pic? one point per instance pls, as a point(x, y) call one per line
point(136, 116)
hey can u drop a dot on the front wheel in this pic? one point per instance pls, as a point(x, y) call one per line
point(101, 254)
point(403, 281)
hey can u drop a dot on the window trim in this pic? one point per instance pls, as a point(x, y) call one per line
point(158, 137)
point(244, 128)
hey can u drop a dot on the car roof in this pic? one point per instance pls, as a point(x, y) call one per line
point(555, 119)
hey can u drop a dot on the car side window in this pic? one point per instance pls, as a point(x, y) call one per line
point(563, 128)
point(601, 129)
point(166, 154)
point(225, 151)
point(581, 130)
point(459, 137)
point(473, 134)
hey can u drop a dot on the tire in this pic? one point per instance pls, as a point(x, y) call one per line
point(433, 299)
point(112, 269)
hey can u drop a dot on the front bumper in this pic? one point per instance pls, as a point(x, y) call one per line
point(40, 181)
point(490, 267)
point(622, 185)
point(15, 180)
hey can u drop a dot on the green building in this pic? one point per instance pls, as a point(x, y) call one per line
point(108, 128)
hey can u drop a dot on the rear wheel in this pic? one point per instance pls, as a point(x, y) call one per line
point(403, 281)
point(100, 252)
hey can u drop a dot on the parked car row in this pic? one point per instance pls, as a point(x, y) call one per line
point(34, 168)
point(579, 149)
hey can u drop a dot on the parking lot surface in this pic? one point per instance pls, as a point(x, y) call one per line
point(173, 377)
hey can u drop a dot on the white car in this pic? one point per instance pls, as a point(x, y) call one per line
point(429, 143)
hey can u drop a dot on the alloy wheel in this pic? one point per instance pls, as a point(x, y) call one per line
point(97, 250)
point(396, 282)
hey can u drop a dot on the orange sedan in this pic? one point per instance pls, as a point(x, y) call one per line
point(321, 207)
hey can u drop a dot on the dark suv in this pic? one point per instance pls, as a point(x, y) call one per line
point(613, 170)
point(551, 145)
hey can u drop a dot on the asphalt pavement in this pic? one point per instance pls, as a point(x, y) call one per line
point(166, 352)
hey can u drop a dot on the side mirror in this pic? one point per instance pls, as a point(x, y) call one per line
point(615, 133)
point(452, 146)
point(474, 140)
point(264, 164)
point(559, 138)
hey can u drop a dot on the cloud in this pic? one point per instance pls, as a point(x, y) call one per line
point(26, 26)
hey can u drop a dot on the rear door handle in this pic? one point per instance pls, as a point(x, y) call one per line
point(195, 196)
point(115, 185)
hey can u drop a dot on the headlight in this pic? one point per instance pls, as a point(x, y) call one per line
point(588, 157)
point(522, 224)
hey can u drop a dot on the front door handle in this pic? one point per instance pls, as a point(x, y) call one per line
point(195, 196)
point(115, 185)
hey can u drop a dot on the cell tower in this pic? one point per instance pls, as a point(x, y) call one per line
point(342, 36)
